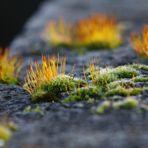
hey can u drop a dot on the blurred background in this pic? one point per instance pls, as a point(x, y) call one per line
point(13, 15)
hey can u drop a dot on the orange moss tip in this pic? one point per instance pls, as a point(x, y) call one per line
point(140, 42)
point(98, 31)
point(59, 32)
point(37, 75)
point(97, 28)
point(9, 67)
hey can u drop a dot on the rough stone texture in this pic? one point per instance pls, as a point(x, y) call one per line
point(74, 125)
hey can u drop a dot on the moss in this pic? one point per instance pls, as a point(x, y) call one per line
point(140, 79)
point(36, 109)
point(144, 106)
point(90, 46)
point(9, 67)
point(140, 66)
point(76, 35)
point(125, 72)
point(128, 103)
point(137, 91)
point(5, 133)
point(110, 82)
point(52, 90)
point(139, 42)
point(85, 93)
point(87, 72)
point(12, 126)
point(9, 80)
point(41, 95)
point(103, 107)
point(102, 77)
point(122, 83)
point(105, 77)
point(121, 91)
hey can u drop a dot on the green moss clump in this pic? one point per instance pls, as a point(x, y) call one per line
point(128, 103)
point(122, 83)
point(140, 79)
point(52, 90)
point(9, 80)
point(36, 109)
point(126, 72)
point(105, 76)
point(84, 93)
point(6, 130)
point(121, 91)
point(5, 133)
point(140, 66)
point(103, 107)
point(87, 72)
point(109, 83)
point(136, 91)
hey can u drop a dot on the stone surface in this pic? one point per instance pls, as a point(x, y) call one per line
point(74, 125)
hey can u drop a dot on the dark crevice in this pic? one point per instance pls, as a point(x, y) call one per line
point(13, 15)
